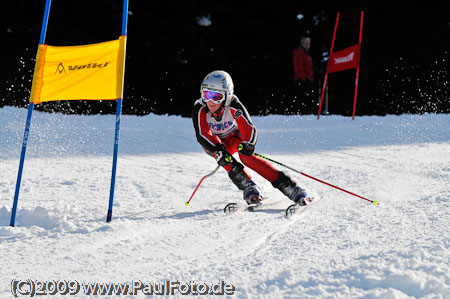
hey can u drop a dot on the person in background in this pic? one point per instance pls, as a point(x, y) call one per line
point(224, 127)
point(304, 77)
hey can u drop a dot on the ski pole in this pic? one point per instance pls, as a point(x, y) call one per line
point(374, 202)
point(198, 185)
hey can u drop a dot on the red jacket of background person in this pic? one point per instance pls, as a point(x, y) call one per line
point(303, 65)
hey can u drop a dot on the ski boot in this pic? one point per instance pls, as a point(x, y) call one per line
point(289, 188)
point(252, 194)
point(299, 196)
point(243, 181)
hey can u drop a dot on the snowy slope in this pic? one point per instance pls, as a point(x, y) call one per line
point(342, 247)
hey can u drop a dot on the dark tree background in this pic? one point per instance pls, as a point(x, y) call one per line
point(404, 60)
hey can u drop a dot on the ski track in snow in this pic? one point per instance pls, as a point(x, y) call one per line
point(340, 247)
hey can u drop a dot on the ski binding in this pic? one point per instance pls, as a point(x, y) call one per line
point(234, 207)
point(292, 209)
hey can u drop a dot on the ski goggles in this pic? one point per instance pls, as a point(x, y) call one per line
point(215, 96)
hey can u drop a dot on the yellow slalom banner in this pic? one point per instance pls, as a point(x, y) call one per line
point(88, 72)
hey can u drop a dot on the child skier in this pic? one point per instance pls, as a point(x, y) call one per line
point(224, 127)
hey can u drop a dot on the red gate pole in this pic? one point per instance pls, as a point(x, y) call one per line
point(323, 92)
point(357, 69)
point(326, 73)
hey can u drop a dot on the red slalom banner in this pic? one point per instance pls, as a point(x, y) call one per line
point(343, 60)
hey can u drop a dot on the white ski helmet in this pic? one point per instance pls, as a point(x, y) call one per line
point(218, 81)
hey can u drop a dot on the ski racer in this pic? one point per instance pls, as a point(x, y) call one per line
point(224, 127)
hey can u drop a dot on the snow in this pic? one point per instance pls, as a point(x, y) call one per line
point(341, 247)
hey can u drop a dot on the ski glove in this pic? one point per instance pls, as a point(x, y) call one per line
point(223, 156)
point(246, 148)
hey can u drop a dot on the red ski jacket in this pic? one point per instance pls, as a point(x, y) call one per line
point(234, 121)
point(303, 65)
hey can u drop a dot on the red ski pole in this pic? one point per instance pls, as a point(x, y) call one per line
point(374, 202)
point(198, 185)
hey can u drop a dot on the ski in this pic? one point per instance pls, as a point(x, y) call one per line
point(292, 209)
point(234, 207)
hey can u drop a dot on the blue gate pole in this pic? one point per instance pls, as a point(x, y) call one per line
point(28, 122)
point(118, 113)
